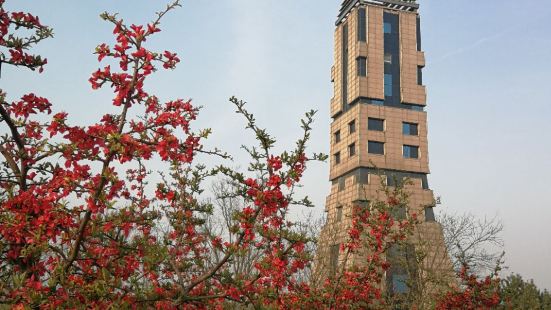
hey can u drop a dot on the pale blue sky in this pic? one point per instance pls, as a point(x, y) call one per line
point(488, 72)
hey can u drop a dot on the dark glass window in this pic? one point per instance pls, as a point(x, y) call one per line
point(394, 179)
point(337, 158)
point(388, 59)
point(375, 147)
point(377, 102)
point(411, 151)
point(338, 216)
point(341, 183)
point(362, 24)
point(344, 67)
point(388, 90)
point(361, 63)
point(363, 177)
point(352, 149)
point(403, 261)
point(352, 127)
point(429, 214)
point(387, 28)
point(424, 182)
point(414, 107)
point(419, 75)
point(364, 204)
point(375, 124)
point(399, 212)
point(410, 129)
point(388, 85)
point(418, 34)
point(334, 258)
point(337, 135)
point(400, 283)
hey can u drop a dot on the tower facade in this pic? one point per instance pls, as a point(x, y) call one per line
point(379, 123)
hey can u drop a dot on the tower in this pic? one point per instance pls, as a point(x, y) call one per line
point(379, 125)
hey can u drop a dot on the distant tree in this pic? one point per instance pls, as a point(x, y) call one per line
point(546, 300)
point(518, 293)
point(474, 241)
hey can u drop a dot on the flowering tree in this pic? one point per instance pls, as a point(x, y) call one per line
point(475, 293)
point(74, 229)
point(84, 220)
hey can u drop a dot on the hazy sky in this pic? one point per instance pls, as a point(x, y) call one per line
point(488, 73)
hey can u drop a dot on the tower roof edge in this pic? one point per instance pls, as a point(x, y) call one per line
point(402, 5)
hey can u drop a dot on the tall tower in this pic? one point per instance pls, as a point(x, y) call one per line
point(379, 126)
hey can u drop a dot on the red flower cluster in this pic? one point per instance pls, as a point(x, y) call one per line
point(17, 45)
point(475, 294)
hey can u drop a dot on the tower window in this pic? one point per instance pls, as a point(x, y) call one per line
point(337, 158)
point(352, 149)
point(429, 214)
point(337, 136)
point(376, 147)
point(375, 124)
point(418, 33)
point(398, 212)
point(338, 216)
point(344, 77)
point(387, 28)
point(363, 176)
point(334, 258)
point(419, 75)
point(352, 127)
point(403, 263)
point(388, 85)
point(377, 102)
point(414, 107)
point(361, 63)
point(410, 129)
point(362, 204)
point(400, 283)
point(341, 183)
point(362, 24)
point(388, 59)
point(411, 151)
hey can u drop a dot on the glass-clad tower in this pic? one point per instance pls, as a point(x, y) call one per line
point(379, 124)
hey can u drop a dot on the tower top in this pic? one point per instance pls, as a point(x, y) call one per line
point(402, 5)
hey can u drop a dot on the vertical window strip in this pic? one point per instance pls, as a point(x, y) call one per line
point(362, 25)
point(344, 66)
point(418, 33)
point(361, 63)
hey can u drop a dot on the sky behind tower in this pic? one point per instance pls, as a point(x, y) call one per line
point(487, 74)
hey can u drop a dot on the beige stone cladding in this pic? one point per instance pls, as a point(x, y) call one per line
point(393, 138)
point(353, 48)
point(336, 101)
point(353, 191)
point(410, 60)
point(342, 125)
point(428, 236)
point(373, 49)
